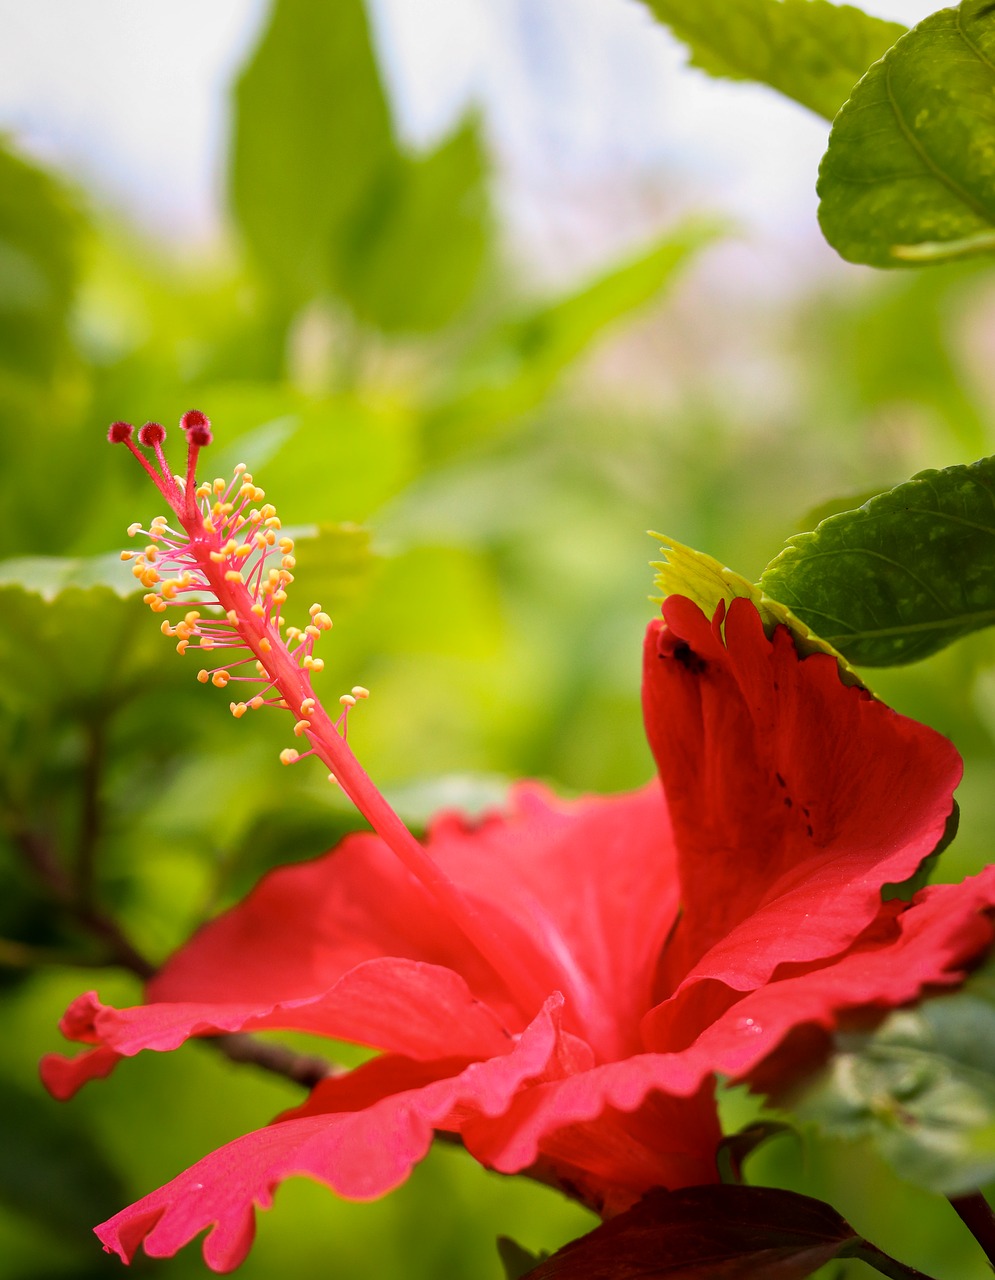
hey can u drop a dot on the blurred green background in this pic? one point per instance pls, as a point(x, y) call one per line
point(473, 461)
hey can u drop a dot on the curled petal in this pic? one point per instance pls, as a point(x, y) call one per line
point(794, 798)
point(390, 1110)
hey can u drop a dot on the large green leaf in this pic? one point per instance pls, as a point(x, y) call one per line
point(921, 1089)
point(809, 50)
point(903, 575)
point(312, 134)
point(413, 254)
point(514, 365)
point(39, 247)
point(909, 175)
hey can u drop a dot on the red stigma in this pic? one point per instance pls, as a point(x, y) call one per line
point(197, 425)
point(119, 432)
point(151, 434)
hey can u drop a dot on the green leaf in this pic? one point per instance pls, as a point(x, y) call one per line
point(312, 134)
point(413, 254)
point(909, 175)
point(920, 1089)
point(514, 366)
point(50, 576)
point(809, 50)
point(39, 248)
point(903, 575)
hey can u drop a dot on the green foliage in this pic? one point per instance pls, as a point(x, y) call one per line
point(809, 50)
point(909, 175)
point(920, 1089)
point(328, 201)
point(903, 575)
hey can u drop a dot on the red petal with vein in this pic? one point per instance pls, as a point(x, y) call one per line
point(793, 798)
point(383, 1126)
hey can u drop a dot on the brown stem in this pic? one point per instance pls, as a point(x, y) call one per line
point(887, 1265)
point(91, 814)
point(302, 1068)
point(976, 1214)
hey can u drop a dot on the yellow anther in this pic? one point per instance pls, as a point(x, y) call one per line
point(259, 610)
point(238, 709)
point(157, 605)
point(233, 575)
point(239, 468)
point(181, 647)
point(279, 597)
point(323, 621)
point(244, 549)
point(232, 616)
point(192, 617)
point(260, 668)
point(151, 552)
point(129, 555)
point(307, 706)
point(170, 587)
point(347, 700)
point(220, 679)
point(166, 629)
point(265, 646)
point(332, 778)
point(203, 676)
point(274, 522)
point(283, 705)
point(207, 642)
point(256, 702)
point(301, 727)
point(273, 576)
point(147, 599)
point(218, 557)
point(259, 542)
point(313, 632)
point(229, 547)
point(293, 633)
point(314, 664)
point(208, 525)
point(359, 692)
point(134, 528)
point(315, 608)
point(288, 755)
point(288, 562)
point(286, 545)
point(219, 485)
point(268, 510)
point(203, 491)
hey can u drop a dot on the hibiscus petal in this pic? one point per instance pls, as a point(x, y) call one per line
point(793, 797)
point(930, 945)
point(391, 1109)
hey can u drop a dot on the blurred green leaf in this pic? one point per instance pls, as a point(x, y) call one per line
point(903, 575)
point(50, 1168)
point(49, 576)
point(514, 365)
point(921, 1089)
point(413, 254)
point(516, 1260)
point(909, 175)
point(809, 50)
point(312, 134)
point(39, 247)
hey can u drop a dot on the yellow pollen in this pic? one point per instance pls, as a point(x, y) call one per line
point(286, 545)
point(220, 679)
point(233, 575)
point(265, 646)
point(300, 727)
point(218, 557)
point(332, 778)
point(313, 632)
point(181, 646)
point(288, 562)
point(129, 555)
point(208, 525)
point(314, 664)
point(203, 491)
point(151, 551)
point(323, 621)
point(347, 700)
point(256, 702)
point(232, 616)
point(207, 642)
point(169, 588)
point(315, 608)
point(203, 676)
point(239, 468)
point(359, 692)
point(191, 618)
point(134, 528)
point(259, 610)
point(245, 549)
point(260, 668)
point(308, 705)
point(219, 485)
point(279, 597)
point(288, 755)
point(293, 633)
point(238, 709)
point(166, 629)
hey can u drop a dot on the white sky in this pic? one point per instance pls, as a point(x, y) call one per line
point(599, 129)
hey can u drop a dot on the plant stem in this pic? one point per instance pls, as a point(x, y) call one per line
point(885, 1263)
point(976, 1214)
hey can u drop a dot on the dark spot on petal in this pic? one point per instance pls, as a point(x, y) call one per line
point(808, 828)
point(686, 656)
point(787, 802)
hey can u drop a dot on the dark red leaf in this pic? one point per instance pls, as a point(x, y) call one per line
point(708, 1233)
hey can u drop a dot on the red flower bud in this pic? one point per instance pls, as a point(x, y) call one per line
point(118, 432)
point(151, 434)
point(197, 425)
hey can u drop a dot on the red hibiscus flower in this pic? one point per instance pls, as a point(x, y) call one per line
point(634, 948)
